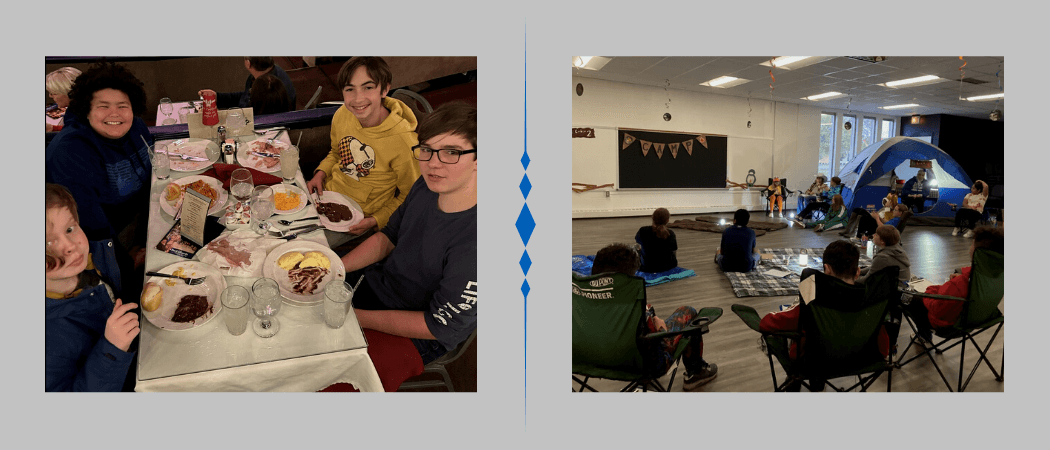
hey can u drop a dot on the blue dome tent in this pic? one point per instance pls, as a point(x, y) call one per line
point(867, 178)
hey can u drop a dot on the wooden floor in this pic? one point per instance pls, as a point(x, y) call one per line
point(742, 366)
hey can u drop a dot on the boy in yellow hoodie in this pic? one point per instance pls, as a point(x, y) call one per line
point(372, 138)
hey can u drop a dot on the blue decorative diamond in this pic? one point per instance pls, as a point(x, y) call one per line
point(525, 262)
point(525, 186)
point(525, 160)
point(525, 289)
point(525, 224)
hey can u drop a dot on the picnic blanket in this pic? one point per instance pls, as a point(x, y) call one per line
point(762, 283)
point(710, 223)
point(582, 264)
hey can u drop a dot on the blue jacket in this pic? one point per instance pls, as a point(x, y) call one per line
point(77, 356)
point(226, 100)
point(109, 178)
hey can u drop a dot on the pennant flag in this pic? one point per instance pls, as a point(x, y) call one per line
point(627, 141)
point(703, 140)
point(645, 147)
point(674, 149)
point(659, 150)
point(688, 146)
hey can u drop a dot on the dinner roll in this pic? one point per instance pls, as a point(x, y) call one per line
point(152, 296)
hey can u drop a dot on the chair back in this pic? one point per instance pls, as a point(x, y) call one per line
point(904, 221)
point(842, 323)
point(606, 312)
point(986, 289)
point(313, 100)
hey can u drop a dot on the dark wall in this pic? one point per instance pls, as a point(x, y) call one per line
point(976, 144)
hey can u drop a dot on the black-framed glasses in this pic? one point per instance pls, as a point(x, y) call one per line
point(447, 156)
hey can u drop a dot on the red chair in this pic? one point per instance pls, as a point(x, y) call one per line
point(396, 360)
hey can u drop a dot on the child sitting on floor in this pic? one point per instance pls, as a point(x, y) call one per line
point(738, 251)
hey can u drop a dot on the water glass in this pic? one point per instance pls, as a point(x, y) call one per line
point(161, 164)
point(266, 302)
point(337, 296)
point(235, 309)
point(241, 185)
point(262, 208)
point(289, 164)
point(184, 113)
point(235, 121)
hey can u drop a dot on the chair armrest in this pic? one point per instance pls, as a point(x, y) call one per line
point(665, 334)
point(750, 318)
point(936, 296)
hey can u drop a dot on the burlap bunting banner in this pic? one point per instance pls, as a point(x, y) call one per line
point(688, 146)
point(703, 140)
point(645, 147)
point(659, 150)
point(674, 149)
point(627, 141)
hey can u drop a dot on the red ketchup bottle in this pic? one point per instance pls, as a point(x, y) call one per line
point(210, 115)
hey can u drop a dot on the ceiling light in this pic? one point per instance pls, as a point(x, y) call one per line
point(590, 62)
point(912, 80)
point(823, 96)
point(724, 82)
point(985, 97)
point(785, 60)
point(581, 61)
point(721, 80)
point(906, 105)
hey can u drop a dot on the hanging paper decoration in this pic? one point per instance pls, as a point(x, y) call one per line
point(583, 133)
point(772, 80)
point(645, 147)
point(703, 140)
point(627, 141)
point(659, 150)
point(688, 146)
point(674, 149)
point(962, 73)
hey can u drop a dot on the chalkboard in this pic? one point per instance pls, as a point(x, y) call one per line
point(704, 168)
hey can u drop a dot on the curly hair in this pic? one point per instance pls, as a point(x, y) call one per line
point(989, 238)
point(375, 66)
point(57, 196)
point(619, 258)
point(106, 75)
point(456, 118)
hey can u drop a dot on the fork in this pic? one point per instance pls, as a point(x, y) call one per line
point(289, 222)
point(189, 281)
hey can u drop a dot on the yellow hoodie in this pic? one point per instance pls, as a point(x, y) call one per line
point(367, 164)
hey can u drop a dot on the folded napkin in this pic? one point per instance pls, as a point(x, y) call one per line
point(222, 172)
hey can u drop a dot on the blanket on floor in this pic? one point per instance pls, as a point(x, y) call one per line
point(582, 264)
point(710, 223)
point(767, 281)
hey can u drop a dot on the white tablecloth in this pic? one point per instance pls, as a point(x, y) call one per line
point(305, 355)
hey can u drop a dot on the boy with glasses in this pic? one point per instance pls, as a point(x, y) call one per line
point(420, 270)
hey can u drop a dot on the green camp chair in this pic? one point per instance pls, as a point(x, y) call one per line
point(841, 328)
point(608, 311)
point(980, 313)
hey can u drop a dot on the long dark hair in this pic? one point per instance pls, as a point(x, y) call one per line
point(660, 218)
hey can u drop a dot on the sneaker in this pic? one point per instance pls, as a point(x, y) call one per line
point(771, 214)
point(955, 232)
point(968, 234)
point(920, 341)
point(820, 227)
point(695, 380)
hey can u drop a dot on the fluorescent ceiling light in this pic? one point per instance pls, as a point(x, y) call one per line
point(907, 105)
point(823, 96)
point(590, 62)
point(581, 61)
point(785, 60)
point(985, 97)
point(911, 80)
point(721, 80)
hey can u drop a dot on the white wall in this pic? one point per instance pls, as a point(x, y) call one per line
point(783, 140)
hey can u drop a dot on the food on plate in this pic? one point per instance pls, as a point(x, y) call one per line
point(174, 192)
point(152, 297)
point(305, 279)
point(179, 273)
point(315, 259)
point(233, 255)
point(335, 212)
point(54, 111)
point(263, 146)
point(190, 308)
point(289, 260)
point(286, 201)
point(238, 214)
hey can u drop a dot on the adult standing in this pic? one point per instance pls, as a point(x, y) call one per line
point(658, 244)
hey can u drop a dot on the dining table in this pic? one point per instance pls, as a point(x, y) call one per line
point(191, 107)
point(305, 355)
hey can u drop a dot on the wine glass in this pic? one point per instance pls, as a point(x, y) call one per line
point(241, 185)
point(262, 208)
point(266, 302)
point(235, 121)
point(166, 108)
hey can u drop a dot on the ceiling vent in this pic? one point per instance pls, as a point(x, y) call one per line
point(871, 59)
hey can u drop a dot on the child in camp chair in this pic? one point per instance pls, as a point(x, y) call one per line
point(622, 258)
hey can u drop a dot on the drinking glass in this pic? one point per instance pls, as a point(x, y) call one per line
point(235, 121)
point(266, 302)
point(262, 208)
point(166, 108)
point(241, 185)
point(235, 309)
point(289, 164)
point(184, 113)
point(161, 163)
point(337, 296)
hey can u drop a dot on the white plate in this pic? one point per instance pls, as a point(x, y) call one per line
point(344, 226)
point(202, 148)
point(260, 162)
point(293, 189)
point(272, 270)
point(211, 288)
point(173, 207)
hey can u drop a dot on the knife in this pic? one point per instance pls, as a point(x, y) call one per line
point(311, 229)
point(312, 225)
point(187, 157)
point(265, 155)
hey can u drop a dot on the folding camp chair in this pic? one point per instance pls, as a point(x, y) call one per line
point(839, 333)
point(980, 312)
point(608, 311)
point(769, 189)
